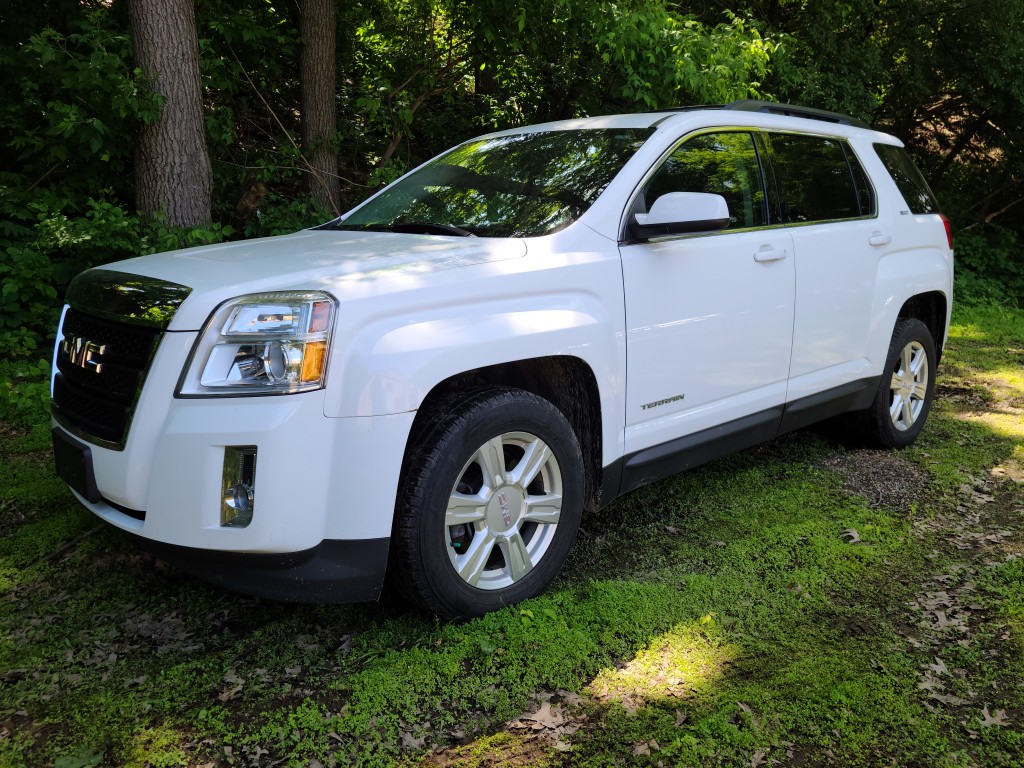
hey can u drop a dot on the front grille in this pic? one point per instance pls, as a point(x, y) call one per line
point(101, 365)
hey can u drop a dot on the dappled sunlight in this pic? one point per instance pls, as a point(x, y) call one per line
point(675, 665)
point(1012, 468)
point(1005, 381)
point(1005, 422)
point(161, 745)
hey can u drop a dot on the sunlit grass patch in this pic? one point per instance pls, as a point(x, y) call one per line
point(987, 322)
point(504, 749)
point(680, 663)
point(158, 747)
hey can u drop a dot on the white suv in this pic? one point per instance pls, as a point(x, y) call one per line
point(535, 322)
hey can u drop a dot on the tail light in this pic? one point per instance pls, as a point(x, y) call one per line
point(949, 230)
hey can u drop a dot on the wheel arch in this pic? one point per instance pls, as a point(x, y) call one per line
point(932, 309)
point(565, 381)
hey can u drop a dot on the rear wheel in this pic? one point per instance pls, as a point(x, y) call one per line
point(905, 393)
point(490, 504)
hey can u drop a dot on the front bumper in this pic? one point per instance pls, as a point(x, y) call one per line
point(324, 491)
point(331, 572)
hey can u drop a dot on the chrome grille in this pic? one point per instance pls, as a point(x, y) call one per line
point(101, 365)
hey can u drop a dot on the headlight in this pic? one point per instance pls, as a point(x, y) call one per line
point(266, 343)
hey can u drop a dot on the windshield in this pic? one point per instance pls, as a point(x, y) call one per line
point(507, 186)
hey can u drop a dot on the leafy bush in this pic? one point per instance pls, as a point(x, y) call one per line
point(280, 216)
point(24, 392)
point(990, 267)
point(49, 246)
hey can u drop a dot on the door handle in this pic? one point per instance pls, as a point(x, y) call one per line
point(878, 238)
point(767, 253)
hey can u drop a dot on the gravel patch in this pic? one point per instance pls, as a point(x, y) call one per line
point(882, 478)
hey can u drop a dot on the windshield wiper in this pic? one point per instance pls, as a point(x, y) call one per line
point(426, 228)
point(411, 227)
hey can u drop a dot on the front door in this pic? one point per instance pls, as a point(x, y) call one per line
point(709, 317)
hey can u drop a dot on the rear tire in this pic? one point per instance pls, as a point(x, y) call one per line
point(905, 392)
point(489, 504)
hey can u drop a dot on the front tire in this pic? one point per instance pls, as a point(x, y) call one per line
point(904, 397)
point(489, 504)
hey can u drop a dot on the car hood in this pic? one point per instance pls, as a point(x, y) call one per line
point(339, 262)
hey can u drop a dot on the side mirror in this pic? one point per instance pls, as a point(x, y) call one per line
point(676, 213)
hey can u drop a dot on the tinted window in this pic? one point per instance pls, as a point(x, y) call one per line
point(865, 195)
point(814, 178)
point(506, 186)
point(911, 183)
point(723, 164)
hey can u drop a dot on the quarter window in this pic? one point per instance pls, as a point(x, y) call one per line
point(723, 164)
point(911, 183)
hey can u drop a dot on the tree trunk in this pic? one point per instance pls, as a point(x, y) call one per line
point(319, 114)
point(172, 164)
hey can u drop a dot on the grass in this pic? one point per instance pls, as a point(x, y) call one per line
point(765, 607)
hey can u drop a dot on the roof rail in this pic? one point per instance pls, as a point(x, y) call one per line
point(775, 108)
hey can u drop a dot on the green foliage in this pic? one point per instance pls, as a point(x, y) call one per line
point(52, 245)
point(664, 59)
point(280, 216)
point(990, 269)
point(70, 104)
point(417, 76)
point(24, 391)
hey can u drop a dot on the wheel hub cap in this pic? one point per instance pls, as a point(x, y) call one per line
point(505, 509)
point(909, 386)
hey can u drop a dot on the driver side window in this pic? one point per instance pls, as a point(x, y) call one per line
point(723, 164)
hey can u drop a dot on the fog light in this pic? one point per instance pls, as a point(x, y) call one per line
point(238, 486)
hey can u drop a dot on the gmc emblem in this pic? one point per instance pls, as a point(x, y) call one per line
point(82, 353)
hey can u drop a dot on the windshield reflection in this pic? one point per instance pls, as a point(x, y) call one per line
point(522, 185)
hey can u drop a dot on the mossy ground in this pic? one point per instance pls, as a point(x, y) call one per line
point(802, 603)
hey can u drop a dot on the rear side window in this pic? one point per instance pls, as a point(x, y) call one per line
point(865, 194)
point(816, 180)
point(911, 183)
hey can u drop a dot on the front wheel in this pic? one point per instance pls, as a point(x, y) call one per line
point(489, 505)
point(905, 393)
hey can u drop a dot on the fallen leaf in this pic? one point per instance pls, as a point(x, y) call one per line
point(929, 683)
point(229, 694)
point(998, 719)
point(853, 535)
point(569, 698)
point(545, 717)
point(411, 742)
point(944, 622)
point(939, 667)
point(949, 699)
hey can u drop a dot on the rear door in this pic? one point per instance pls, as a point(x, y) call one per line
point(829, 207)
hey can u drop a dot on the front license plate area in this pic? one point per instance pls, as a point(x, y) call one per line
point(74, 465)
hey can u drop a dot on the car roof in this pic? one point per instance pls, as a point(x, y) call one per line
point(745, 113)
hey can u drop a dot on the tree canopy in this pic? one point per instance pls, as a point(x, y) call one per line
point(413, 77)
